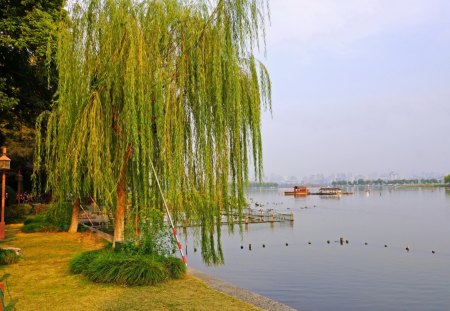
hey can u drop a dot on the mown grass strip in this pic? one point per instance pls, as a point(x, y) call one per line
point(41, 280)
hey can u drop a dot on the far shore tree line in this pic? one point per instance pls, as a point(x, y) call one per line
point(413, 181)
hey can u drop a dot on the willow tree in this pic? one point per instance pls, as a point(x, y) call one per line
point(168, 84)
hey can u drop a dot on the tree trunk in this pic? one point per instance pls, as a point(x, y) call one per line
point(74, 221)
point(121, 192)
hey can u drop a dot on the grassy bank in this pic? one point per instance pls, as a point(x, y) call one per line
point(41, 280)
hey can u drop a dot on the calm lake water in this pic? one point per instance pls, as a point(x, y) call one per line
point(353, 276)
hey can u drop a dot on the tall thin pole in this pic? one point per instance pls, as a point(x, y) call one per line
point(2, 220)
point(4, 165)
point(174, 230)
point(19, 187)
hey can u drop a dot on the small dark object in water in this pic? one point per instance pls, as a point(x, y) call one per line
point(264, 245)
point(249, 247)
point(242, 247)
point(309, 243)
point(195, 249)
point(346, 241)
point(407, 248)
point(365, 243)
point(328, 241)
point(433, 252)
point(287, 244)
point(385, 245)
point(341, 241)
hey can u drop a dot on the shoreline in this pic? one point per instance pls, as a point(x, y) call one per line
point(229, 289)
point(245, 295)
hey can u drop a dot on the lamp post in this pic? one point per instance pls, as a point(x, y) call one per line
point(4, 166)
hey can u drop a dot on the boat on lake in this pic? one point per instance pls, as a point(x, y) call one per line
point(298, 190)
point(331, 191)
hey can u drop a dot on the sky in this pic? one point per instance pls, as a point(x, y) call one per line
point(359, 86)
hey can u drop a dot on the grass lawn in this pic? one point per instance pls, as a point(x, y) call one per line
point(41, 280)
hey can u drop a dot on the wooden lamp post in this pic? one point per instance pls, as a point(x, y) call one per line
point(4, 166)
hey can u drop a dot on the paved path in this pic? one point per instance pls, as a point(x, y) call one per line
point(240, 293)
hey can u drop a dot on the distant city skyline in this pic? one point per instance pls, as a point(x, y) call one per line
point(358, 86)
point(321, 178)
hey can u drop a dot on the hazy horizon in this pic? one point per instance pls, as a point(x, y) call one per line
point(358, 86)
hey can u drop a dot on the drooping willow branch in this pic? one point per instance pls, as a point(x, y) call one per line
point(179, 87)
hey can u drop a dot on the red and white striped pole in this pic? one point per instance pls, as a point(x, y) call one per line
point(174, 230)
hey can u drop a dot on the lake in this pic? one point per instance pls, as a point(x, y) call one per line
point(381, 275)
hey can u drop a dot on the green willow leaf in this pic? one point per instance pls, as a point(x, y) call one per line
point(174, 82)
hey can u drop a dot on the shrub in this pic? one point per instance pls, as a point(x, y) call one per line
point(121, 268)
point(39, 227)
point(79, 263)
point(56, 218)
point(108, 266)
point(175, 266)
point(31, 219)
point(40, 208)
point(58, 215)
point(8, 256)
point(17, 212)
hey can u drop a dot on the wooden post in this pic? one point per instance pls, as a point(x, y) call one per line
point(291, 216)
point(2, 220)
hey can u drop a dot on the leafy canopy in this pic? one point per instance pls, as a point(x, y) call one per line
point(26, 30)
point(174, 84)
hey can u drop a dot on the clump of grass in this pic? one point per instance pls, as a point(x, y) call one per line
point(109, 266)
point(175, 266)
point(8, 256)
point(80, 262)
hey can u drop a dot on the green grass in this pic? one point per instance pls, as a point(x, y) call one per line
point(41, 280)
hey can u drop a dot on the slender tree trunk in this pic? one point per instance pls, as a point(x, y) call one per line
point(75, 212)
point(121, 192)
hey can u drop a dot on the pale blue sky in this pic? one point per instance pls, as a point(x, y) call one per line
point(359, 86)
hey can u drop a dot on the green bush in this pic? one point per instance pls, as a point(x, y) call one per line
point(175, 266)
point(40, 227)
point(120, 267)
point(8, 256)
point(31, 219)
point(80, 262)
point(56, 218)
point(40, 208)
point(17, 212)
